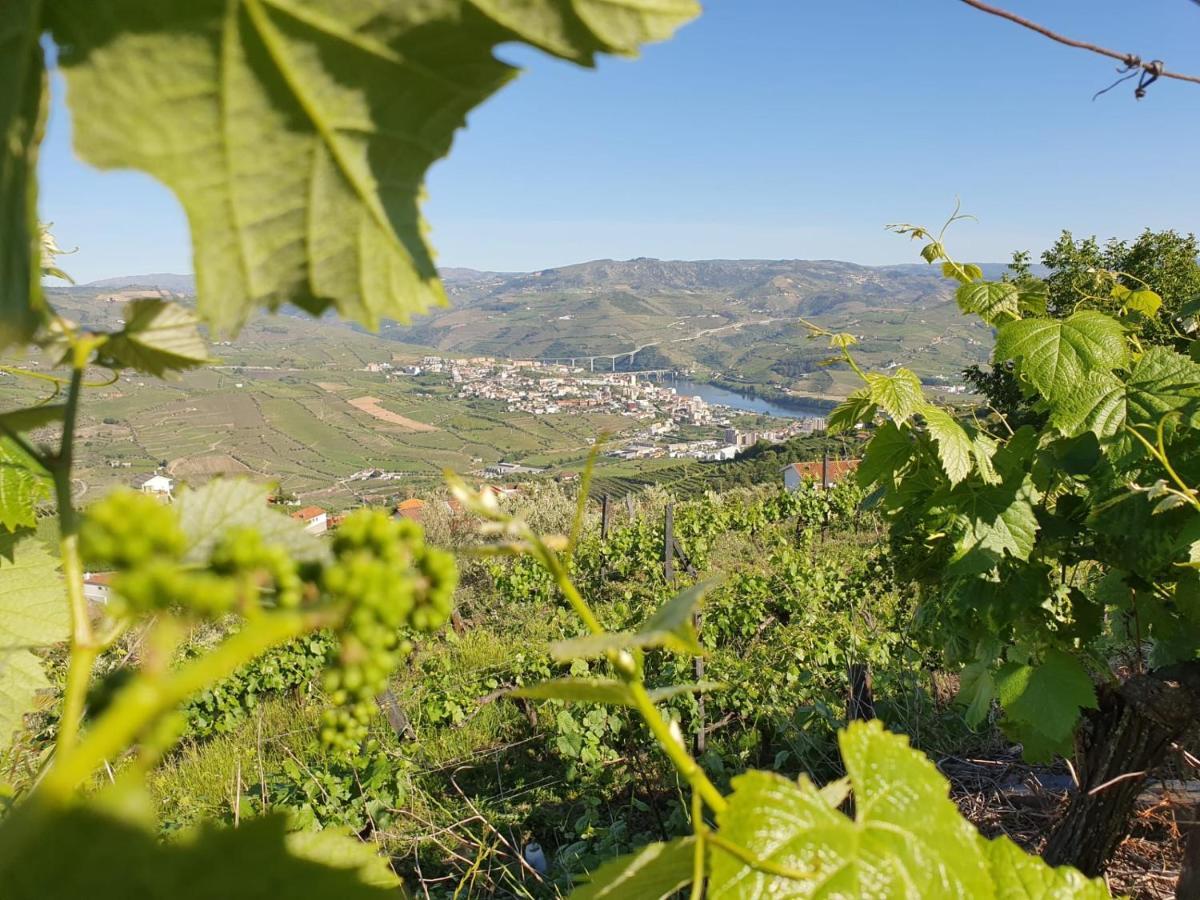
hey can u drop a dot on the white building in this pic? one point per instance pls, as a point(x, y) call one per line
point(159, 485)
point(314, 519)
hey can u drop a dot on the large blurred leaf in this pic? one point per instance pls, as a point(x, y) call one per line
point(22, 114)
point(208, 512)
point(158, 337)
point(297, 133)
point(906, 840)
point(1056, 355)
point(114, 860)
point(33, 615)
point(23, 484)
point(656, 871)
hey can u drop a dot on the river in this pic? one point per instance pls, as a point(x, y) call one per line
point(723, 397)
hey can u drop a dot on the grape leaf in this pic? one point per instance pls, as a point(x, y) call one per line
point(1047, 697)
point(955, 449)
point(1055, 355)
point(33, 615)
point(113, 859)
point(31, 417)
point(858, 407)
point(899, 394)
point(992, 301)
point(669, 626)
point(906, 839)
point(583, 690)
point(158, 337)
point(1162, 381)
point(889, 449)
point(297, 133)
point(23, 485)
point(989, 522)
point(22, 119)
point(1019, 876)
point(656, 871)
point(207, 512)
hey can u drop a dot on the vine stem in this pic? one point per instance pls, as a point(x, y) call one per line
point(679, 757)
point(83, 648)
point(150, 695)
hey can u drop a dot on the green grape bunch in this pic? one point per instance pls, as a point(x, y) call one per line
point(389, 581)
point(381, 584)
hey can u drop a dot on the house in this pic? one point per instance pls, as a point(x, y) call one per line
point(157, 485)
point(827, 472)
point(97, 586)
point(314, 519)
point(412, 509)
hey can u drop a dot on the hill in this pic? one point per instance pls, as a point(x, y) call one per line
point(738, 320)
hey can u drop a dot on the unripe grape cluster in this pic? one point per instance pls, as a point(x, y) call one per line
point(380, 584)
point(389, 580)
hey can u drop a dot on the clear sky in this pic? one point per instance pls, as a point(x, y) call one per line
point(773, 128)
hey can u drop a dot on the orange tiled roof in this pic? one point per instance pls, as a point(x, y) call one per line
point(308, 512)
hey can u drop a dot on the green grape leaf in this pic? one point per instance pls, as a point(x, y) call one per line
point(33, 615)
point(906, 840)
point(22, 119)
point(899, 394)
point(207, 512)
point(962, 272)
point(339, 849)
point(1146, 302)
point(858, 407)
point(1019, 876)
point(955, 449)
point(670, 626)
point(582, 690)
point(1033, 297)
point(890, 448)
point(1048, 696)
point(23, 485)
point(1056, 355)
point(1162, 381)
point(977, 689)
point(158, 337)
point(654, 872)
point(992, 301)
point(114, 860)
point(31, 417)
point(989, 522)
point(297, 133)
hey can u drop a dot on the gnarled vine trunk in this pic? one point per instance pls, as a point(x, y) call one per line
point(1120, 742)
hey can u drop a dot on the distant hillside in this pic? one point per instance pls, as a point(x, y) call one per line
point(175, 284)
point(740, 319)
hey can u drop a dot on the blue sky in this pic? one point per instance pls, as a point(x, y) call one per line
point(772, 128)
